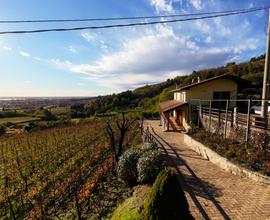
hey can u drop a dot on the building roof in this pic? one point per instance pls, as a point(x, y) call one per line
point(170, 105)
point(224, 76)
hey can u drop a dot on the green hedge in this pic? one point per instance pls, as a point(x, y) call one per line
point(166, 200)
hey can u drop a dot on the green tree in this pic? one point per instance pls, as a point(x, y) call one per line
point(47, 115)
point(165, 95)
point(3, 130)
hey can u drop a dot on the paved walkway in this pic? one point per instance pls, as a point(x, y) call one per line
point(213, 193)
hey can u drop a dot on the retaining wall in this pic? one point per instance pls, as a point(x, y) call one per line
point(222, 162)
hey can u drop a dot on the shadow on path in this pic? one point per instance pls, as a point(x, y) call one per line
point(191, 183)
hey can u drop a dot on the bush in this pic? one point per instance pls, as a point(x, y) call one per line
point(47, 116)
point(151, 115)
point(127, 165)
point(166, 200)
point(149, 165)
point(3, 130)
point(140, 164)
point(7, 114)
point(230, 154)
point(28, 127)
point(149, 146)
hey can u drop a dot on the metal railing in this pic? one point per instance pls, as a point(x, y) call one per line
point(229, 114)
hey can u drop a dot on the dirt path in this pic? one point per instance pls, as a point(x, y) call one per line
point(213, 193)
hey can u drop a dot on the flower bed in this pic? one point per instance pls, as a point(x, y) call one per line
point(254, 157)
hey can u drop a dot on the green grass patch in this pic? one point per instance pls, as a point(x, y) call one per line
point(131, 207)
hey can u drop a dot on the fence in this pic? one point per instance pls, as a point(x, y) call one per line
point(234, 119)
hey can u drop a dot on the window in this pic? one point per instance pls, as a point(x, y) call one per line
point(224, 95)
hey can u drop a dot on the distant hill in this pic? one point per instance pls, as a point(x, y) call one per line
point(149, 96)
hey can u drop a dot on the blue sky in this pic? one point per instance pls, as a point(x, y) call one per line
point(89, 63)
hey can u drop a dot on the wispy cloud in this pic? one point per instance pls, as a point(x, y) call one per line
point(208, 39)
point(223, 30)
point(7, 48)
point(87, 36)
point(162, 5)
point(197, 4)
point(72, 49)
point(37, 58)
point(25, 54)
point(103, 45)
point(166, 53)
point(248, 44)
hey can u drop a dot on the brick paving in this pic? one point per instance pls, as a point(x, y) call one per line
point(212, 192)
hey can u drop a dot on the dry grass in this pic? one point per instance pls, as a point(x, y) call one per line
point(18, 119)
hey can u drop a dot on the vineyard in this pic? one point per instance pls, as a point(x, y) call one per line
point(47, 172)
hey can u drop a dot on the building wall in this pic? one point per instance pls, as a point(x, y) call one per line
point(181, 96)
point(184, 117)
point(205, 90)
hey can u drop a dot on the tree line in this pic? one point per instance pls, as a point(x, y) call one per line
point(148, 97)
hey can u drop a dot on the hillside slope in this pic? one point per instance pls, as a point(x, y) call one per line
point(149, 96)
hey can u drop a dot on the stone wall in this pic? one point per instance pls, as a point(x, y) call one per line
point(222, 162)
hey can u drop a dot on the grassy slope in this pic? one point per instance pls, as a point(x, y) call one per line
point(129, 209)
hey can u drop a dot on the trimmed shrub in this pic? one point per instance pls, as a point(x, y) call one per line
point(149, 165)
point(140, 164)
point(166, 200)
point(149, 146)
point(127, 165)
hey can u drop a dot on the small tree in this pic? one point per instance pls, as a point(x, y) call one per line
point(3, 130)
point(116, 128)
point(47, 115)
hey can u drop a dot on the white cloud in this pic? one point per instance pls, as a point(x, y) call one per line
point(222, 29)
point(27, 81)
point(249, 44)
point(162, 5)
point(203, 26)
point(87, 36)
point(22, 53)
point(208, 40)
point(103, 45)
point(72, 49)
point(7, 48)
point(197, 4)
point(192, 45)
point(37, 58)
point(151, 58)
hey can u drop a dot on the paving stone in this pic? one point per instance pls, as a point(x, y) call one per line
point(213, 193)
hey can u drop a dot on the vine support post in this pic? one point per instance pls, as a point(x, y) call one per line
point(226, 119)
point(248, 122)
point(199, 113)
point(210, 115)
